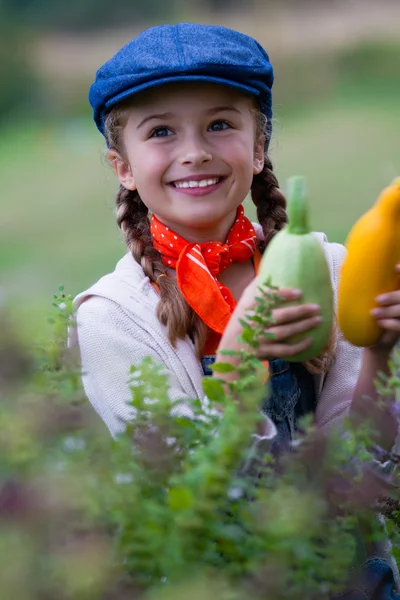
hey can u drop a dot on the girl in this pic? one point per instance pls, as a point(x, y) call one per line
point(186, 114)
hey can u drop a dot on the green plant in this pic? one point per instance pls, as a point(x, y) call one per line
point(167, 509)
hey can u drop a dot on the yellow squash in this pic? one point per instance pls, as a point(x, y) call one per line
point(373, 251)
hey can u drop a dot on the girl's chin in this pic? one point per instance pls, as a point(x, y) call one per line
point(205, 215)
point(198, 220)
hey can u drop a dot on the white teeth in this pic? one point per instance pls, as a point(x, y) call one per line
point(195, 184)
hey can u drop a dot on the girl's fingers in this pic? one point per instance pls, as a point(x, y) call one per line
point(388, 316)
point(389, 298)
point(268, 351)
point(392, 325)
point(253, 290)
point(289, 294)
point(291, 314)
point(387, 312)
point(283, 332)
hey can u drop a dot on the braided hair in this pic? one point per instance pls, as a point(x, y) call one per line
point(269, 201)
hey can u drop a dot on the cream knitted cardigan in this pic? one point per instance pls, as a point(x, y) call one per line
point(117, 327)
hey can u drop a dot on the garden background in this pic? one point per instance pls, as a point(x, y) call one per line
point(83, 517)
point(336, 110)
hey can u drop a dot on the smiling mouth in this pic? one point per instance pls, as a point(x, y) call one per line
point(201, 183)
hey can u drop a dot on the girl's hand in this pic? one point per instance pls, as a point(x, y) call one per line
point(289, 320)
point(388, 317)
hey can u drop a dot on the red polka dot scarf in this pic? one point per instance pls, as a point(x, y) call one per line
point(198, 266)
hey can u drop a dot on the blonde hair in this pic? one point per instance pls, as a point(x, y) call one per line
point(133, 219)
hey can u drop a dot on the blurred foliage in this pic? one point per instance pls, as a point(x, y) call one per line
point(20, 88)
point(86, 15)
point(166, 510)
point(360, 72)
point(82, 15)
point(371, 67)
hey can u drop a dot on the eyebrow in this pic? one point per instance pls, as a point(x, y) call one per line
point(160, 116)
point(218, 109)
point(211, 111)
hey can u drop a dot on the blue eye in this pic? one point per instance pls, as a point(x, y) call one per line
point(161, 132)
point(219, 126)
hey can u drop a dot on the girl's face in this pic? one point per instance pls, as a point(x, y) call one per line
point(190, 149)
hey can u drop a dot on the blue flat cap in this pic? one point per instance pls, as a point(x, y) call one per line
point(183, 52)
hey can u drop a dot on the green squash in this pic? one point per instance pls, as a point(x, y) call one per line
point(295, 259)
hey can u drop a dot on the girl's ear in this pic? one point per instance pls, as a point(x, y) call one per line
point(122, 170)
point(259, 156)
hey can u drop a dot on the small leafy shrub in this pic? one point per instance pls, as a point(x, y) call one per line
point(173, 508)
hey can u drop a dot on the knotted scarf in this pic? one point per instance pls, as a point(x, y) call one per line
point(198, 265)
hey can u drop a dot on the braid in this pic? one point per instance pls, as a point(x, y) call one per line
point(271, 213)
point(269, 201)
point(173, 310)
point(132, 218)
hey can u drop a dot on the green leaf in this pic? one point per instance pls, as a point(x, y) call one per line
point(268, 335)
point(223, 367)
point(229, 352)
point(214, 389)
point(179, 498)
point(255, 363)
point(247, 335)
point(257, 319)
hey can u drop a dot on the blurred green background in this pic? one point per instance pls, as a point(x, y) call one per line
point(336, 107)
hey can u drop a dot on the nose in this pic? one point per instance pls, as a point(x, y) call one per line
point(195, 152)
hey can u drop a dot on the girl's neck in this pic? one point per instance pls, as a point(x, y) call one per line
point(217, 232)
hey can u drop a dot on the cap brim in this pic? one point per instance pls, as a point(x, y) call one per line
point(180, 78)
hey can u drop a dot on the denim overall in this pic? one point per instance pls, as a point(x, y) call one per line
point(292, 395)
